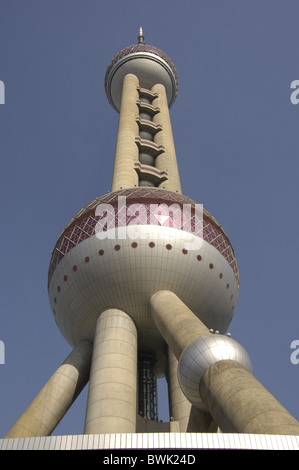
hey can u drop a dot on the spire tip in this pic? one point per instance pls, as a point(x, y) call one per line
point(140, 37)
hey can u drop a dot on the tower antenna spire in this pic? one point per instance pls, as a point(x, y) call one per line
point(140, 37)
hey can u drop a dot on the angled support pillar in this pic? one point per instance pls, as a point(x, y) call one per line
point(50, 405)
point(215, 371)
point(175, 321)
point(188, 417)
point(240, 403)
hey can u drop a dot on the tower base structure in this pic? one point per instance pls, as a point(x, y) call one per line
point(155, 444)
point(213, 372)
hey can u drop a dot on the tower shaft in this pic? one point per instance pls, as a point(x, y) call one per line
point(145, 151)
point(126, 153)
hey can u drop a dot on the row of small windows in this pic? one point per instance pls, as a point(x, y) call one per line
point(151, 244)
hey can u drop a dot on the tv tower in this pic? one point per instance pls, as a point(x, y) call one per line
point(143, 283)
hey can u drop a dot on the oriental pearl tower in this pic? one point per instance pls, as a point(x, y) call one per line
point(143, 283)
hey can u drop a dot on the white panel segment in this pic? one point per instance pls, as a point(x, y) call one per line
point(125, 273)
point(156, 441)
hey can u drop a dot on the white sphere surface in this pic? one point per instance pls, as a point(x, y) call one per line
point(124, 273)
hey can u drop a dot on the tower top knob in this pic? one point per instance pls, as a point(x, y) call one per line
point(148, 63)
point(140, 37)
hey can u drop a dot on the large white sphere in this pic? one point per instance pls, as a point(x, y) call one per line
point(123, 269)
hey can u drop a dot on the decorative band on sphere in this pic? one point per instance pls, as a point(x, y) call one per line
point(83, 224)
point(138, 49)
point(134, 58)
point(200, 355)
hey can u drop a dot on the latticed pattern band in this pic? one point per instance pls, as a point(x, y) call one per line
point(86, 222)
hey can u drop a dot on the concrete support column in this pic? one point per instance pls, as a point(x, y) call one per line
point(201, 421)
point(231, 394)
point(111, 404)
point(126, 152)
point(188, 418)
point(179, 406)
point(50, 405)
point(167, 160)
point(176, 322)
point(239, 403)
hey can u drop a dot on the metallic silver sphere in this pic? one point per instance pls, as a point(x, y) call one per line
point(149, 64)
point(200, 355)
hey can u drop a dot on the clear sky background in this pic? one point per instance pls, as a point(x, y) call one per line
point(237, 140)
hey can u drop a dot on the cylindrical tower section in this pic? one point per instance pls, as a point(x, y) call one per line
point(137, 151)
point(167, 160)
point(111, 404)
point(126, 152)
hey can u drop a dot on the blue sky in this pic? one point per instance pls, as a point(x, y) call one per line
point(236, 136)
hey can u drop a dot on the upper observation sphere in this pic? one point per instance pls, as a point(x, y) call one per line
point(148, 63)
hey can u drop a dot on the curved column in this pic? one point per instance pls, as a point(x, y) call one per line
point(126, 152)
point(50, 405)
point(111, 404)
